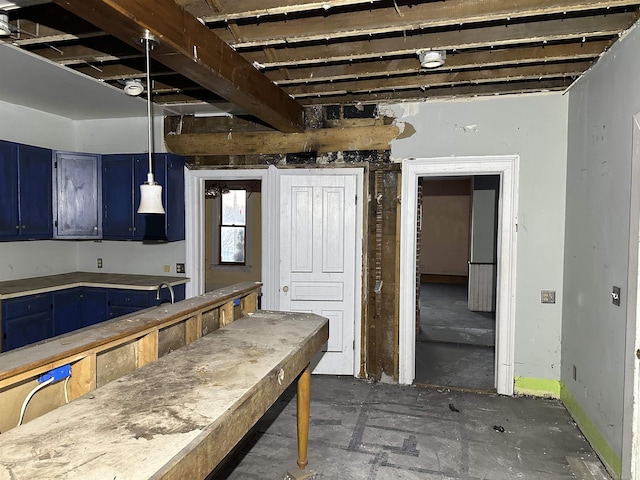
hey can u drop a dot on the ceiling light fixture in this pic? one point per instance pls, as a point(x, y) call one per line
point(5, 29)
point(431, 58)
point(150, 191)
point(133, 87)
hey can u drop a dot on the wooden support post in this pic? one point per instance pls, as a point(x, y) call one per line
point(303, 407)
point(193, 328)
point(249, 304)
point(147, 349)
point(226, 314)
point(83, 377)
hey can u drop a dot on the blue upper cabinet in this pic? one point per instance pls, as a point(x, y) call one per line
point(77, 196)
point(122, 176)
point(25, 192)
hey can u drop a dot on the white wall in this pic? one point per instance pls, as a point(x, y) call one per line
point(32, 127)
point(534, 127)
point(601, 106)
point(118, 135)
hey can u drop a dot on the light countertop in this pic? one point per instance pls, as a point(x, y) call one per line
point(50, 283)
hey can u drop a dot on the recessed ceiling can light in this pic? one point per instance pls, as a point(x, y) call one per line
point(431, 58)
point(5, 29)
point(133, 87)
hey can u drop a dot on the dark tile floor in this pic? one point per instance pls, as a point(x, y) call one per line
point(455, 346)
point(369, 431)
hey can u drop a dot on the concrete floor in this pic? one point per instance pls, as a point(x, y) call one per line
point(455, 347)
point(364, 430)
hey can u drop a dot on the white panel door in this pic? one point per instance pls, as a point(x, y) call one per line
point(318, 258)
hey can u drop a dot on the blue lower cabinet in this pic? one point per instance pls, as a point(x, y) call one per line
point(80, 307)
point(26, 320)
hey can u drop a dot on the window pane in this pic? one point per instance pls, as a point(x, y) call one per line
point(232, 244)
point(234, 207)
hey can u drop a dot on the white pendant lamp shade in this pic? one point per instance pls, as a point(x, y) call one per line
point(150, 196)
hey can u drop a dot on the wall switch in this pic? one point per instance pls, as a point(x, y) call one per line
point(99, 263)
point(167, 268)
point(548, 296)
point(179, 267)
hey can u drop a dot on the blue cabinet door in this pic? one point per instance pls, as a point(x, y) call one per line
point(95, 305)
point(117, 197)
point(80, 307)
point(67, 311)
point(25, 192)
point(9, 222)
point(35, 192)
point(26, 320)
point(78, 195)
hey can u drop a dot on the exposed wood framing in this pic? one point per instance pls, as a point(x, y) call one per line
point(192, 49)
point(246, 143)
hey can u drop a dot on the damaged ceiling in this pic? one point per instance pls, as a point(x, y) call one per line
point(331, 52)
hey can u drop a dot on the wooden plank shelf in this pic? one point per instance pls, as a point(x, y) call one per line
point(179, 416)
point(107, 351)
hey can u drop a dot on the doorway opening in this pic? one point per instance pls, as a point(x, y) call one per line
point(456, 265)
point(506, 167)
point(232, 232)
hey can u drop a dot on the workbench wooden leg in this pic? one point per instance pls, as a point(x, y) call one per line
point(304, 404)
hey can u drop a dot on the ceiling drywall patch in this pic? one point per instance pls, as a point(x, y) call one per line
point(406, 130)
point(410, 109)
point(468, 128)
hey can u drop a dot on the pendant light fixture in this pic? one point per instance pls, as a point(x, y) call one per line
point(150, 191)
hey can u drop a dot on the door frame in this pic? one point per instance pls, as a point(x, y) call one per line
point(195, 222)
point(631, 399)
point(269, 177)
point(507, 166)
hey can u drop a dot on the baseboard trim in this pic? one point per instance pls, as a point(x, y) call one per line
point(537, 387)
point(611, 461)
point(540, 387)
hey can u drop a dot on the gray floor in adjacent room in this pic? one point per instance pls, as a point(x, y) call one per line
point(369, 431)
point(455, 346)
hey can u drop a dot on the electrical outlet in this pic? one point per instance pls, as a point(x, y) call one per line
point(99, 263)
point(548, 296)
point(167, 268)
point(179, 267)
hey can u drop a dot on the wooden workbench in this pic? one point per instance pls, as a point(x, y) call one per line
point(178, 417)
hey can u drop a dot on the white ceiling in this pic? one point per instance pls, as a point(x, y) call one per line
point(31, 81)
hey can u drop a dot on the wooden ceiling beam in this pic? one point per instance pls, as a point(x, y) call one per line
point(267, 8)
point(248, 143)
point(393, 19)
point(486, 37)
point(191, 49)
point(436, 93)
point(456, 61)
point(429, 80)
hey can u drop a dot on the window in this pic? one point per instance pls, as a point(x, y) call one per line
point(233, 225)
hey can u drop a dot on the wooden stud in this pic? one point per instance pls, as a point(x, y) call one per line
point(226, 314)
point(249, 304)
point(147, 349)
point(193, 327)
point(83, 377)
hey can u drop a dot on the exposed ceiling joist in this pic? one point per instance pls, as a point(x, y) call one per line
point(192, 49)
point(419, 16)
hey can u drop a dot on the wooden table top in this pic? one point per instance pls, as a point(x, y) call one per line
point(50, 283)
point(174, 418)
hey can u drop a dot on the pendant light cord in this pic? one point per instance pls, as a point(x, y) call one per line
point(149, 119)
